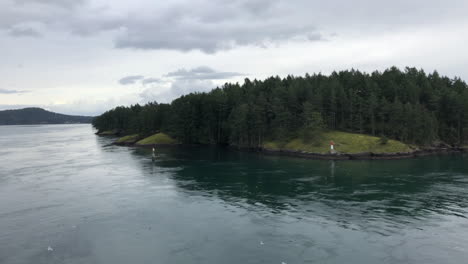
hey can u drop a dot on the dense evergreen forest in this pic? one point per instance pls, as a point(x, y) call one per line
point(409, 105)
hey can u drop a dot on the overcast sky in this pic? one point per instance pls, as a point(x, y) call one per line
point(86, 56)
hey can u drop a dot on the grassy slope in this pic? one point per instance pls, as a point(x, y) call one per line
point(128, 139)
point(344, 143)
point(159, 138)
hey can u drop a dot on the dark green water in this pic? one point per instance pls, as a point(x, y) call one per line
point(63, 187)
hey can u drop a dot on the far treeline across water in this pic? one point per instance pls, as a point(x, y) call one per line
point(410, 106)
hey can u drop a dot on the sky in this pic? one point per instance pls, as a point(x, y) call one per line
point(87, 56)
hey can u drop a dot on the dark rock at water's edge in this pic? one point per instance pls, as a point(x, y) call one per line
point(132, 143)
point(126, 143)
point(365, 155)
point(303, 154)
point(115, 132)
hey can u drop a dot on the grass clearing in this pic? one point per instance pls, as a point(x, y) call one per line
point(344, 143)
point(158, 138)
point(128, 139)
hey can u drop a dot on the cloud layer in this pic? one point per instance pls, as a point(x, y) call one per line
point(211, 26)
point(216, 25)
point(6, 91)
point(69, 53)
point(201, 73)
point(130, 79)
point(24, 32)
point(180, 82)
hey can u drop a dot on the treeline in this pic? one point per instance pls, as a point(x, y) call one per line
point(409, 105)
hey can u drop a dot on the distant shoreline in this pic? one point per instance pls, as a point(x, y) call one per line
point(39, 116)
point(45, 124)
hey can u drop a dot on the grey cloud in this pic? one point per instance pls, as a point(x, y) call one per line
point(176, 89)
point(202, 69)
point(6, 91)
point(77, 17)
point(130, 79)
point(151, 80)
point(179, 82)
point(181, 87)
point(24, 32)
point(183, 81)
point(197, 73)
point(210, 37)
point(216, 25)
point(201, 73)
point(59, 3)
point(226, 24)
point(210, 27)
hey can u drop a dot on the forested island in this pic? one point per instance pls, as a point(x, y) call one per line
point(394, 111)
point(35, 116)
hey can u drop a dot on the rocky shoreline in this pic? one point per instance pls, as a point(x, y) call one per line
point(322, 156)
point(328, 156)
point(366, 155)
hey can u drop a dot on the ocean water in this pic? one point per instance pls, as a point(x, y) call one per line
point(68, 196)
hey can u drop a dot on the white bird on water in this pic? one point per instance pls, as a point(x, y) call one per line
point(49, 248)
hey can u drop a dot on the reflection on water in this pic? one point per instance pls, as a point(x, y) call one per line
point(359, 193)
point(93, 202)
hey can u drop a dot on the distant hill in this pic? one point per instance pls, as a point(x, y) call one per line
point(34, 115)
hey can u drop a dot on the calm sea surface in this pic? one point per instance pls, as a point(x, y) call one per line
point(67, 196)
